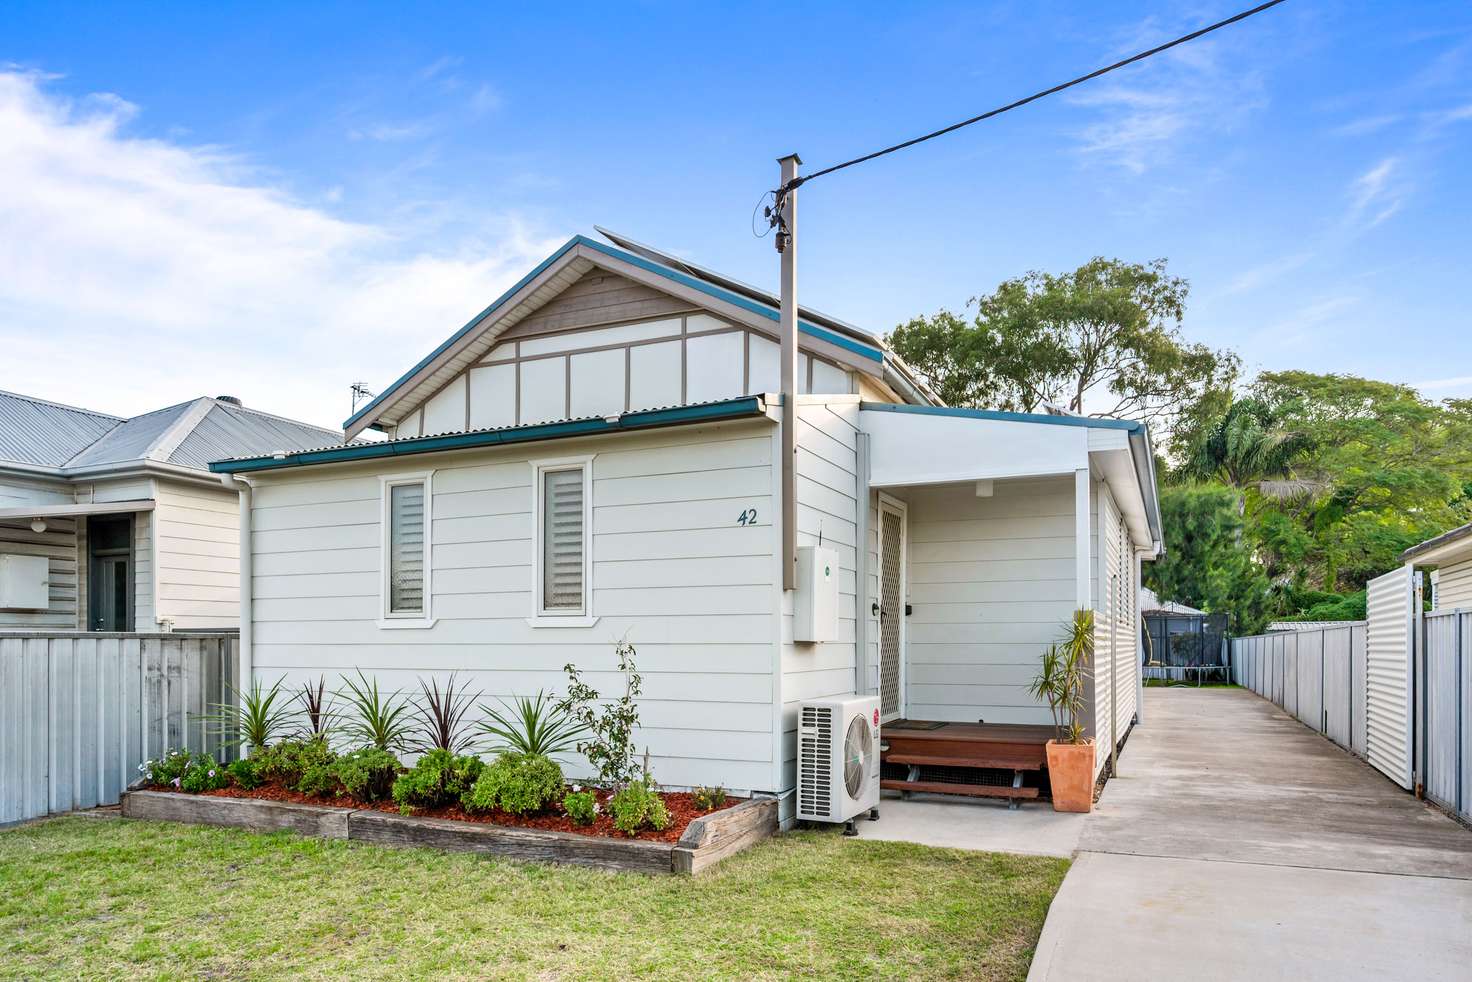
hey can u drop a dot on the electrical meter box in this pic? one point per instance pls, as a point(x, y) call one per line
point(815, 603)
point(25, 582)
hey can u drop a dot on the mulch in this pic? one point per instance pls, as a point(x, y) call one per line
point(681, 806)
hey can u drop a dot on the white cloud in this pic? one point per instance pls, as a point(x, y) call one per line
point(1377, 194)
point(1147, 114)
point(140, 272)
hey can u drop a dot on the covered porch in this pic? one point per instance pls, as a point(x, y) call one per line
point(986, 532)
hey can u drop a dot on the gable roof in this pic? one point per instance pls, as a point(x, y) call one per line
point(574, 259)
point(64, 441)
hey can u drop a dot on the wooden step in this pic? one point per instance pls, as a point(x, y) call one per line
point(970, 790)
point(1006, 762)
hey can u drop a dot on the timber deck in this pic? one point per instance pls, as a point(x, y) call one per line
point(965, 752)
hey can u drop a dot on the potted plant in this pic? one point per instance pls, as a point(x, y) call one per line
point(1060, 681)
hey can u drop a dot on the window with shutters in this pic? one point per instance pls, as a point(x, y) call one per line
point(563, 564)
point(406, 550)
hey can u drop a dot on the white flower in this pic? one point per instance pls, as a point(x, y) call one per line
point(577, 788)
point(597, 808)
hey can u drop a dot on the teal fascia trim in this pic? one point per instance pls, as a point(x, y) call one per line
point(823, 334)
point(1128, 425)
point(745, 407)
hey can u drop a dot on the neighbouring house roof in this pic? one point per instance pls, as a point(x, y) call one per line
point(1447, 547)
point(581, 252)
point(1152, 604)
point(47, 434)
point(708, 412)
point(62, 441)
point(1286, 627)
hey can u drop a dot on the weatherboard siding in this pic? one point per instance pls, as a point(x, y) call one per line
point(59, 544)
point(1454, 586)
point(197, 532)
point(827, 514)
point(673, 571)
point(991, 584)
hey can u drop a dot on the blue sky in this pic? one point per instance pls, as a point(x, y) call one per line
point(275, 203)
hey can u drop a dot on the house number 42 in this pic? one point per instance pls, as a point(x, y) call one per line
point(747, 517)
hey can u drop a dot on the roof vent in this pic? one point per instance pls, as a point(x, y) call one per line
point(233, 400)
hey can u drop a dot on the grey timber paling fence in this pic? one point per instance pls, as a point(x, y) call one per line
point(80, 711)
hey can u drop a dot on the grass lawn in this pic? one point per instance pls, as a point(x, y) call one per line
point(116, 898)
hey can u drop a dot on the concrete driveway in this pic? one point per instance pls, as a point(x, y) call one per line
point(1238, 844)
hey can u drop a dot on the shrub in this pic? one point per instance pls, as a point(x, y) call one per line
point(203, 774)
point(286, 762)
point(516, 783)
point(320, 778)
point(367, 773)
point(437, 779)
point(532, 726)
point(707, 799)
point(636, 805)
point(581, 806)
point(168, 769)
point(610, 743)
point(246, 773)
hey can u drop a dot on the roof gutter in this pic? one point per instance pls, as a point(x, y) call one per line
point(117, 469)
point(712, 412)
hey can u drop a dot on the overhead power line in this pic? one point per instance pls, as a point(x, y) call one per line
point(775, 211)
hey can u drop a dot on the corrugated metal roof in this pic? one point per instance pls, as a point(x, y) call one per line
point(231, 431)
point(190, 434)
point(47, 434)
point(133, 439)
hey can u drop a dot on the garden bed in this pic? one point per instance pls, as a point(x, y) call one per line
point(701, 842)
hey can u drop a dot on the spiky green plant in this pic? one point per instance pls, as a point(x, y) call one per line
point(254, 719)
point(378, 721)
point(1063, 675)
point(539, 727)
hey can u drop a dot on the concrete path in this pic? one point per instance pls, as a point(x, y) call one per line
point(975, 823)
point(1238, 844)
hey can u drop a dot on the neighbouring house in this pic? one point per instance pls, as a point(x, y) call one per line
point(598, 455)
point(1449, 558)
point(112, 524)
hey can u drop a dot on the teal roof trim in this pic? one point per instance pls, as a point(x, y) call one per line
point(745, 407)
point(812, 330)
point(1128, 425)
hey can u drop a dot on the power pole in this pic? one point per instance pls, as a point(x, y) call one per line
point(787, 246)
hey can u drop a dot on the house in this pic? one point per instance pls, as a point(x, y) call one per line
point(112, 524)
point(598, 455)
point(1449, 556)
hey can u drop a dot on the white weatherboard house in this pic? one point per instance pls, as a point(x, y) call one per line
point(112, 524)
point(597, 455)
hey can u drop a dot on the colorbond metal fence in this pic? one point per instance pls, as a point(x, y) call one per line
point(1316, 675)
point(79, 712)
point(1444, 710)
point(1320, 676)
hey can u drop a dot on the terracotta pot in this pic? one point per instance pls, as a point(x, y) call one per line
point(1071, 774)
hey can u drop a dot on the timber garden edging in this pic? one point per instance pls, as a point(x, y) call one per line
point(706, 841)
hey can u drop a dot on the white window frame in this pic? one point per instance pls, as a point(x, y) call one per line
point(400, 620)
point(541, 617)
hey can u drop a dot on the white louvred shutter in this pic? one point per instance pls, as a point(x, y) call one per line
point(562, 540)
point(406, 548)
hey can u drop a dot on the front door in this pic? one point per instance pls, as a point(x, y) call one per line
point(891, 608)
point(110, 593)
